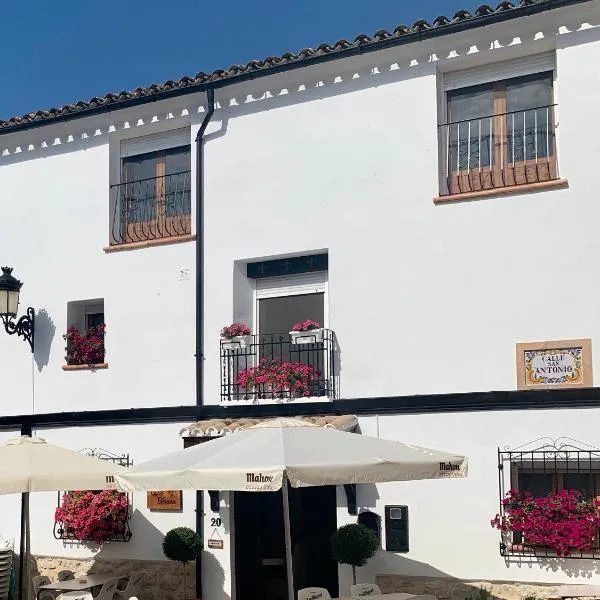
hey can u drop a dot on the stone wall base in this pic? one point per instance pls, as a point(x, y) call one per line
point(163, 581)
point(456, 589)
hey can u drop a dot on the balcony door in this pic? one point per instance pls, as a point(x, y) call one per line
point(278, 315)
point(281, 302)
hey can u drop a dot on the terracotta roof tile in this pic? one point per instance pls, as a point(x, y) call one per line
point(224, 76)
point(217, 427)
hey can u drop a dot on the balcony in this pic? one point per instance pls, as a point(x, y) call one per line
point(274, 368)
point(499, 151)
point(158, 208)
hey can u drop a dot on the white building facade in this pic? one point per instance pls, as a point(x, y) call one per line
point(425, 195)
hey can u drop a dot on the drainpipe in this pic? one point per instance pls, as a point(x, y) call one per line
point(210, 109)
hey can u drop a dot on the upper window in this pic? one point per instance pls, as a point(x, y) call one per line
point(153, 199)
point(499, 134)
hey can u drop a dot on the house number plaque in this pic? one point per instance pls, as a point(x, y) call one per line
point(559, 364)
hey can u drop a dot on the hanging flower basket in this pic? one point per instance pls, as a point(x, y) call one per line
point(307, 332)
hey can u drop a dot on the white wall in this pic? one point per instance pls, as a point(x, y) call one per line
point(55, 225)
point(423, 298)
point(449, 520)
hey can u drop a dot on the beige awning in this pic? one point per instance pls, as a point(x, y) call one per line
point(218, 427)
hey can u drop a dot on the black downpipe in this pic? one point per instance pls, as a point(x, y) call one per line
point(210, 109)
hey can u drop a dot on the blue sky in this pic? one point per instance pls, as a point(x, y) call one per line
point(57, 52)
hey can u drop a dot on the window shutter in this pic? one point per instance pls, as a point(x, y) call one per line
point(527, 65)
point(305, 283)
point(155, 142)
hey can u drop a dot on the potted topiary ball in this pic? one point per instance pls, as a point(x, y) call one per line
point(183, 545)
point(354, 545)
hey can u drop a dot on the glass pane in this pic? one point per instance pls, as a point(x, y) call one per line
point(95, 319)
point(529, 122)
point(177, 182)
point(470, 128)
point(583, 482)
point(139, 199)
point(178, 160)
point(277, 316)
point(539, 484)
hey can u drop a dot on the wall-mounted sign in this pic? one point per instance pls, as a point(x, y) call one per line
point(559, 364)
point(215, 541)
point(164, 500)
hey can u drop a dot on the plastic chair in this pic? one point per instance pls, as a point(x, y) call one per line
point(37, 583)
point(133, 586)
point(76, 595)
point(313, 593)
point(107, 591)
point(66, 575)
point(364, 589)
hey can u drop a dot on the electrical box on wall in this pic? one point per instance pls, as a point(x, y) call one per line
point(396, 528)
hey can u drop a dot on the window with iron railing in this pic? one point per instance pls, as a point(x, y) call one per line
point(153, 200)
point(499, 135)
point(541, 470)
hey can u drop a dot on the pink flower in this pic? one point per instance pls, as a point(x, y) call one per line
point(563, 521)
point(306, 325)
point(86, 349)
point(234, 330)
point(278, 378)
point(89, 515)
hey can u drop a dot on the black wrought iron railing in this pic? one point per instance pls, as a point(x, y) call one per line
point(151, 209)
point(275, 367)
point(501, 150)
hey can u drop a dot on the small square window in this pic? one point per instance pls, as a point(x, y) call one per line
point(85, 333)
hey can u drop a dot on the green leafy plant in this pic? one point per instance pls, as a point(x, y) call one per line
point(354, 545)
point(183, 545)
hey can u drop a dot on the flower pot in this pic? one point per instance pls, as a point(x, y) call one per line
point(237, 342)
point(312, 336)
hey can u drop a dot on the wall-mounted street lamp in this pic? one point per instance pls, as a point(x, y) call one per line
point(9, 305)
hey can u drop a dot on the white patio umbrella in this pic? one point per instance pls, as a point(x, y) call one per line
point(265, 457)
point(29, 464)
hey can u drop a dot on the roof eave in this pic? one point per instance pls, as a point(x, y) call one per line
point(255, 73)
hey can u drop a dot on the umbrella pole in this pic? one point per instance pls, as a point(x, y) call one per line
point(27, 548)
point(23, 547)
point(288, 538)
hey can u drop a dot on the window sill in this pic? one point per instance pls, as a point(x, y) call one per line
point(502, 191)
point(175, 239)
point(85, 367)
